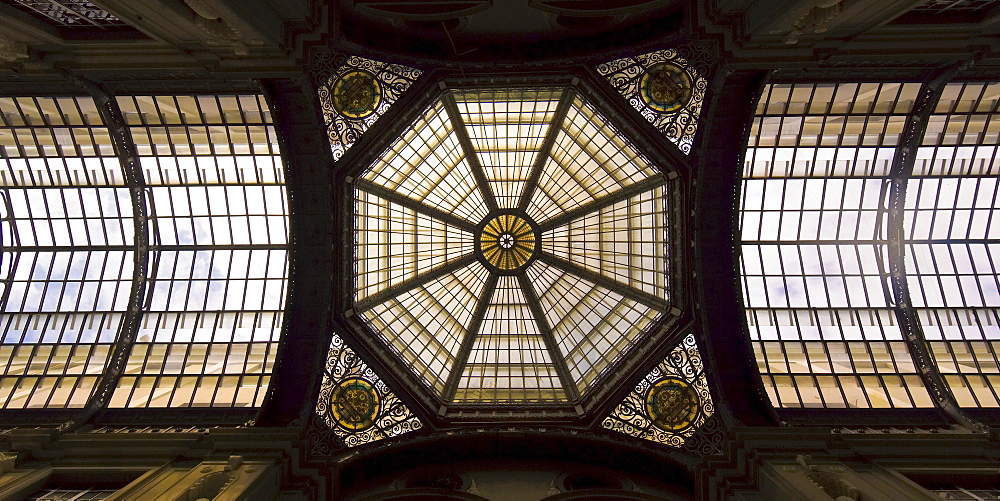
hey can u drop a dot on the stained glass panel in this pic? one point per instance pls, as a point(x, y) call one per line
point(510, 246)
point(355, 94)
point(670, 403)
point(356, 404)
point(664, 88)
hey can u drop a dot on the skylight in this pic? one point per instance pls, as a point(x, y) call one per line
point(212, 295)
point(510, 246)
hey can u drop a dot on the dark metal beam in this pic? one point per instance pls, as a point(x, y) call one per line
point(128, 156)
point(307, 327)
point(558, 359)
point(451, 107)
point(629, 292)
point(555, 126)
point(909, 322)
point(408, 285)
point(714, 229)
point(599, 203)
point(414, 205)
point(462, 357)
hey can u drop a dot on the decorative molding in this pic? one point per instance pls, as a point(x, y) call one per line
point(815, 20)
point(11, 50)
point(211, 22)
point(8, 461)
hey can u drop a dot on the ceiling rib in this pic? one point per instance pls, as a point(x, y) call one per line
point(408, 285)
point(558, 359)
point(611, 284)
point(451, 107)
point(409, 203)
point(465, 350)
point(625, 193)
point(562, 109)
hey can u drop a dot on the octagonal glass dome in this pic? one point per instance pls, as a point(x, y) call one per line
point(511, 246)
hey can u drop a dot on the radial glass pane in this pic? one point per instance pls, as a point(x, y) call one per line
point(625, 241)
point(506, 128)
point(67, 234)
point(427, 323)
point(218, 257)
point(456, 287)
point(395, 243)
point(427, 164)
point(509, 361)
point(588, 161)
point(813, 255)
point(593, 326)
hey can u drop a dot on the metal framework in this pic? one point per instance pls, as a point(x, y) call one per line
point(544, 331)
point(857, 238)
point(145, 239)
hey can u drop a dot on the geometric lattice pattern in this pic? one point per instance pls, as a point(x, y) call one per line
point(356, 404)
point(356, 94)
point(820, 311)
point(67, 260)
point(586, 276)
point(218, 262)
point(664, 88)
point(670, 403)
point(211, 311)
point(952, 238)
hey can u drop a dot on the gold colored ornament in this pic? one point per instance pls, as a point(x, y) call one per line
point(672, 404)
point(356, 94)
point(665, 87)
point(507, 242)
point(354, 404)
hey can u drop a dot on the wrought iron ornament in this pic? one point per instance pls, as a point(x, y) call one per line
point(355, 94)
point(670, 403)
point(356, 404)
point(664, 88)
point(72, 13)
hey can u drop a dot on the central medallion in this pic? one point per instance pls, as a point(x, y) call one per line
point(507, 242)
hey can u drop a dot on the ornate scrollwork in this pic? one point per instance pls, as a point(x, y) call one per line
point(355, 404)
point(348, 86)
point(646, 80)
point(671, 403)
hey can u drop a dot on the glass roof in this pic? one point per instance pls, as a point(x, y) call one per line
point(817, 246)
point(510, 246)
point(213, 294)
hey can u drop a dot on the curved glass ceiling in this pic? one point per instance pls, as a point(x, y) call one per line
point(510, 246)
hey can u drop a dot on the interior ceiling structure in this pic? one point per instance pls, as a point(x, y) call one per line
point(490, 225)
point(511, 246)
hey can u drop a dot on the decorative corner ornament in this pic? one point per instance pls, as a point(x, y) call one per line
point(355, 93)
point(354, 402)
point(671, 403)
point(665, 88)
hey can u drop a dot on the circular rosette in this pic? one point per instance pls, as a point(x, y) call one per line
point(354, 404)
point(665, 87)
point(356, 94)
point(507, 242)
point(672, 404)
